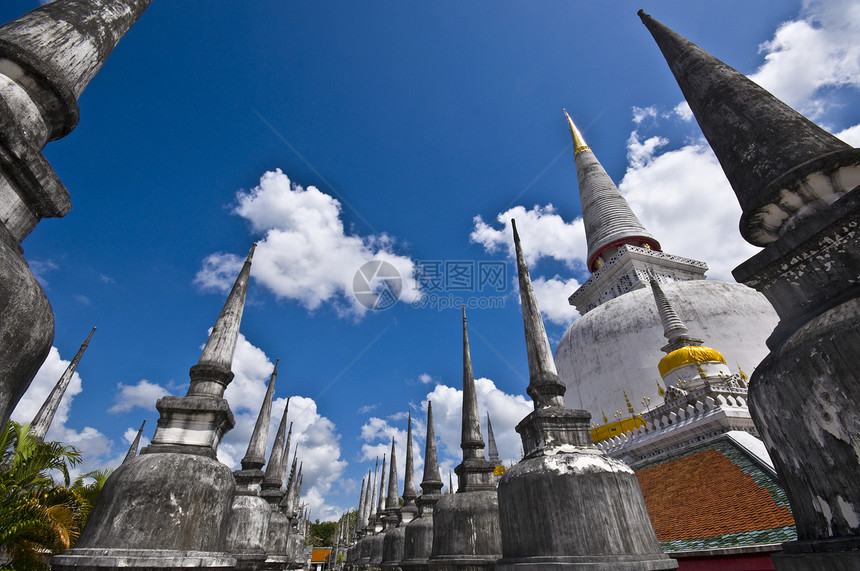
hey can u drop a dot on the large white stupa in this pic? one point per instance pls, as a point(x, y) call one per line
point(608, 358)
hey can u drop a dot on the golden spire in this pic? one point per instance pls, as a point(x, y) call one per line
point(578, 142)
point(660, 390)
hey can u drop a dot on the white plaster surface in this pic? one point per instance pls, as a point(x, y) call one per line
point(616, 346)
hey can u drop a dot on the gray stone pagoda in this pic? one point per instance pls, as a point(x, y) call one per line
point(418, 536)
point(567, 505)
point(392, 542)
point(273, 489)
point(170, 506)
point(379, 521)
point(799, 189)
point(43, 419)
point(48, 55)
point(466, 533)
point(135, 444)
point(250, 514)
point(395, 539)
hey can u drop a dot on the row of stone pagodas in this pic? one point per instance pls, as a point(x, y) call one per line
point(175, 505)
point(565, 505)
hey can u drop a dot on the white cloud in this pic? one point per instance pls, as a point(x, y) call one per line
point(142, 394)
point(851, 135)
point(818, 50)
point(95, 447)
point(684, 199)
point(305, 254)
point(682, 111)
point(543, 233)
point(50, 372)
point(638, 152)
point(425, 379)
point(552, 294)
point(640, 114)
point(316, 436)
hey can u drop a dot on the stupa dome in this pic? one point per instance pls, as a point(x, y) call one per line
point(616, 346)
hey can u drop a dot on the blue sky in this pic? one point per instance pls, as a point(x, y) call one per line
point(336, 133)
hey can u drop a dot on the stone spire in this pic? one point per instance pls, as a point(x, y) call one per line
point(492, 450)
point(409, 510)
point(42, 421)
point(255, 456)
point(59, 48)
point(562, 471)
point(211, 375)
point(545, 388)
point(371, 511)
point(380, 506)
point(276, 468)
point(781, 165)
point(132, 450)
point(287, 502)
point(368, 499)
point(609, 221)
point(471, 440)
point(431, 483)
point(361, 502)
point(392, 499)
point(673, 328)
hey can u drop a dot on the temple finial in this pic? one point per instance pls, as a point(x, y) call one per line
point(674, 329)
point(409, 495)
point(392, 501)
point(43, 419)
point(218, 352)
point(609, 221)
point(471, 440)
point(782, 166)
point(132, 450)
point(431, 483)
point(380, 506)
point(492, 450)
point(579, 144)
point(255, 456)
point(59, 47)
point(275, 468)
point(545, 387)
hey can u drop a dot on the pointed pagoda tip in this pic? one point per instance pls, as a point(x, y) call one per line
point(516, 235)
point(464, 314)
point(251, 253)
point(579, 143)
point(643, 16)
point(90, 336)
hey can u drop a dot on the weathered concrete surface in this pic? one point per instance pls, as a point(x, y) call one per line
point(47, 57)
point(577, 509)
point(418, 543)
point(757, 138)
point(61, 46)
point(26, 327)
point(466, 531)
point(392, 548)
point(816, 452)
point(247, 528)
point(137, 512)
point(140, 560)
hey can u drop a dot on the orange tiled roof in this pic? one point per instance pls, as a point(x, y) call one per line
point(704, 494)
point(320, 555)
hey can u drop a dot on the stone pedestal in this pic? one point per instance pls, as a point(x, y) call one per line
point(141, 523)
point(418, 543)
point(567, 505)
point(466, 534)
point(392, 548)
point(803, 397)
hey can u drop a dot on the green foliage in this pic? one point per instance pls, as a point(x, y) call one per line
point(39, 517)
point(321, 534)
